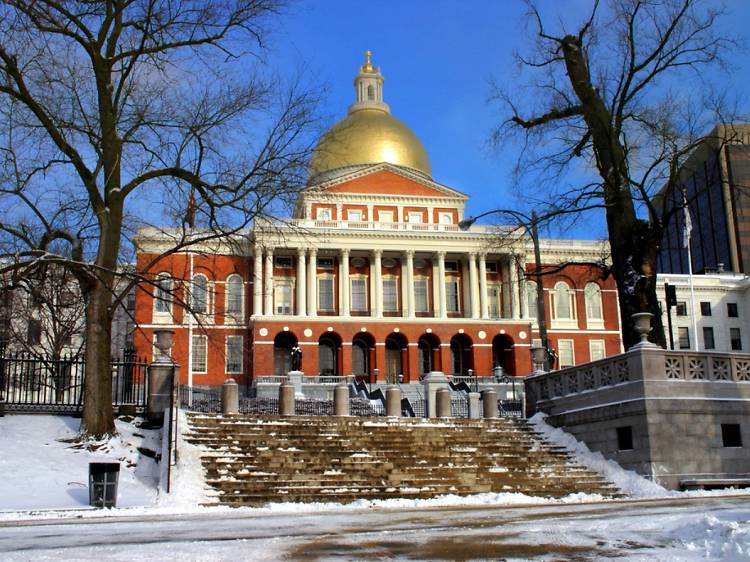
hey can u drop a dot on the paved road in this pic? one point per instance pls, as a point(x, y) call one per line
point(684, 529)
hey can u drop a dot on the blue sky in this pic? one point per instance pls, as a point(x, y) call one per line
point(438, 58)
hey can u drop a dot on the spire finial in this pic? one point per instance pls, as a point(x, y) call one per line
point(367, 67)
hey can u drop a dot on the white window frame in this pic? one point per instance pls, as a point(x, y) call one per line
point(385, 216)
point(280, 283)
point(560, 345)
point(391, 279)
point(531, 292)
point(591, 291)
point(204, 345)
point(457, 282)
point(234, 316)
point(323, 214)
point(497, 300)
point(594, 344)
point(364, 280)
point(163, 316)
point(415, 217)
point(354, 215)
point(445, 218)
point(568, 321)
point(421, 279)
point(331, 278)
point(240, 370)
point(209, 301)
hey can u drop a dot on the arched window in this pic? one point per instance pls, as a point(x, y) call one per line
point(371, 92)
point(359, 358)
point(593, 294)
point(199, 295)
point(163, 293)
point(563, 302)
point(425, 356)
point(327, 353)
point(531, 299)
point(234, 295)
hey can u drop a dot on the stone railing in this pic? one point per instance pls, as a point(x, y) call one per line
point(641, 372)
point(367, 225)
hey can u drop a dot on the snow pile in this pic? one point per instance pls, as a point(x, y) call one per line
point(727, 538)
point(44, 466)
point(627, 481)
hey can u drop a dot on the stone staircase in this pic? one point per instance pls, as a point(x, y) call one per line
point(253, 461)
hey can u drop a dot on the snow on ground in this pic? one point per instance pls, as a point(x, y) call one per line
point(44, 467)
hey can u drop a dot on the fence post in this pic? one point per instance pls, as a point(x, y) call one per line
point(489, 403)
point(286, 399)
point(393, 402)
point(443, 403)
point(230, 397)
point(341, 405)
point(475, 411)
point(160, 383)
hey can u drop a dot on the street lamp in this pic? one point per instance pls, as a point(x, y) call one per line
point(530, 225)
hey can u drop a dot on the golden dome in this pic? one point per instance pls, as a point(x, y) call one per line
point(369, 134)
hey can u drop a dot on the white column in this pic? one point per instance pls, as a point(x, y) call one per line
point(339, 211)
point(308, 210)
point(370, 215)
point(269, 283)
point(258, 282)
point(409, 297)
point(506, 309)
point(483, 304)
point(514, 304)
point(376, 270)
point(312, 284)
point(301, 283)
point(522, 290)
point(442, 308)
point(473, 292)
point(344, 274)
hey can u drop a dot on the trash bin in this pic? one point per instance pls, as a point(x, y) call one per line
point(103, 483)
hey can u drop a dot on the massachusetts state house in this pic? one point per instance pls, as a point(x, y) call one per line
point(373, 276)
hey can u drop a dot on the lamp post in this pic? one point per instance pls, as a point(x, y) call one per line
point(530, 225)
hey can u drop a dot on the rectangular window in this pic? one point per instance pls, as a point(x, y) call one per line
point(421, 295)
point(731, 435)
point(34, 332)
point(415, 218)
point(452, 296)
point(200, 349)
point(683, 335)
point(625, 438)
point(359, 294)
point(491, 266)
point(681, 309)
point(735, 338)
point(597, 349)
point(234, 354)
point(325, 263)
point(708, 338)
point(130, 301)
point(325, 293)
point(705, 309)
point(283, 297)
point(565, 353)
point(323, 214)
point(493, 298)
point(284, 262)
point(163, 294)
point(355, 216)
point(451, 266)
point(390, 295)
point(385, 216)
point(732, 310)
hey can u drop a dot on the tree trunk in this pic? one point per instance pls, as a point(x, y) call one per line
point(98, 419)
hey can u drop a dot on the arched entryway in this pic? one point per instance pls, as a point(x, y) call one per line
point(428, 354)
point(503, 355)
point(462, 355)
point(329, 351)
point(363, 355)
point(282, 352)
point(396, 359)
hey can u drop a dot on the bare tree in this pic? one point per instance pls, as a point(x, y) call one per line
point(123, 112)
point(600, 107)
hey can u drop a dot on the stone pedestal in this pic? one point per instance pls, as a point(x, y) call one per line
point(230, 397)
point(341, 404)
point(443, 403)
point(161, 380)
point(286, 399)
point(393, 402)
point(475, 408)
point(489, 403)
point(431, 383)
point(295, 378)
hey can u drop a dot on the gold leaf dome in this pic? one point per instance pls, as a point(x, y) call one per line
point(368, 135)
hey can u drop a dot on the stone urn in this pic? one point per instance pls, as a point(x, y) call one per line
point(538, 357)
point(642, 325)
point(163, 344)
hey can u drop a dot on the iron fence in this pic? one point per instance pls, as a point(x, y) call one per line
point(36, 383)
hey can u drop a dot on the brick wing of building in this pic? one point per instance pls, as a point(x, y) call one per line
point(372, 276)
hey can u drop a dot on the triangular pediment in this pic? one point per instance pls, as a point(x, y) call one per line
point(386, 179)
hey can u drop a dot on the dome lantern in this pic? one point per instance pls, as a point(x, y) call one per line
point(368, 135)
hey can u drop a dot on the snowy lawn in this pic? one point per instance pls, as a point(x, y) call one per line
point(44, 467)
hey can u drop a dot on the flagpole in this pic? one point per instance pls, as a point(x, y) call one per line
point(688, 230)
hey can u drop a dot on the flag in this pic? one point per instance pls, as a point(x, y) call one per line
point(688, 224)
point(190, 213)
